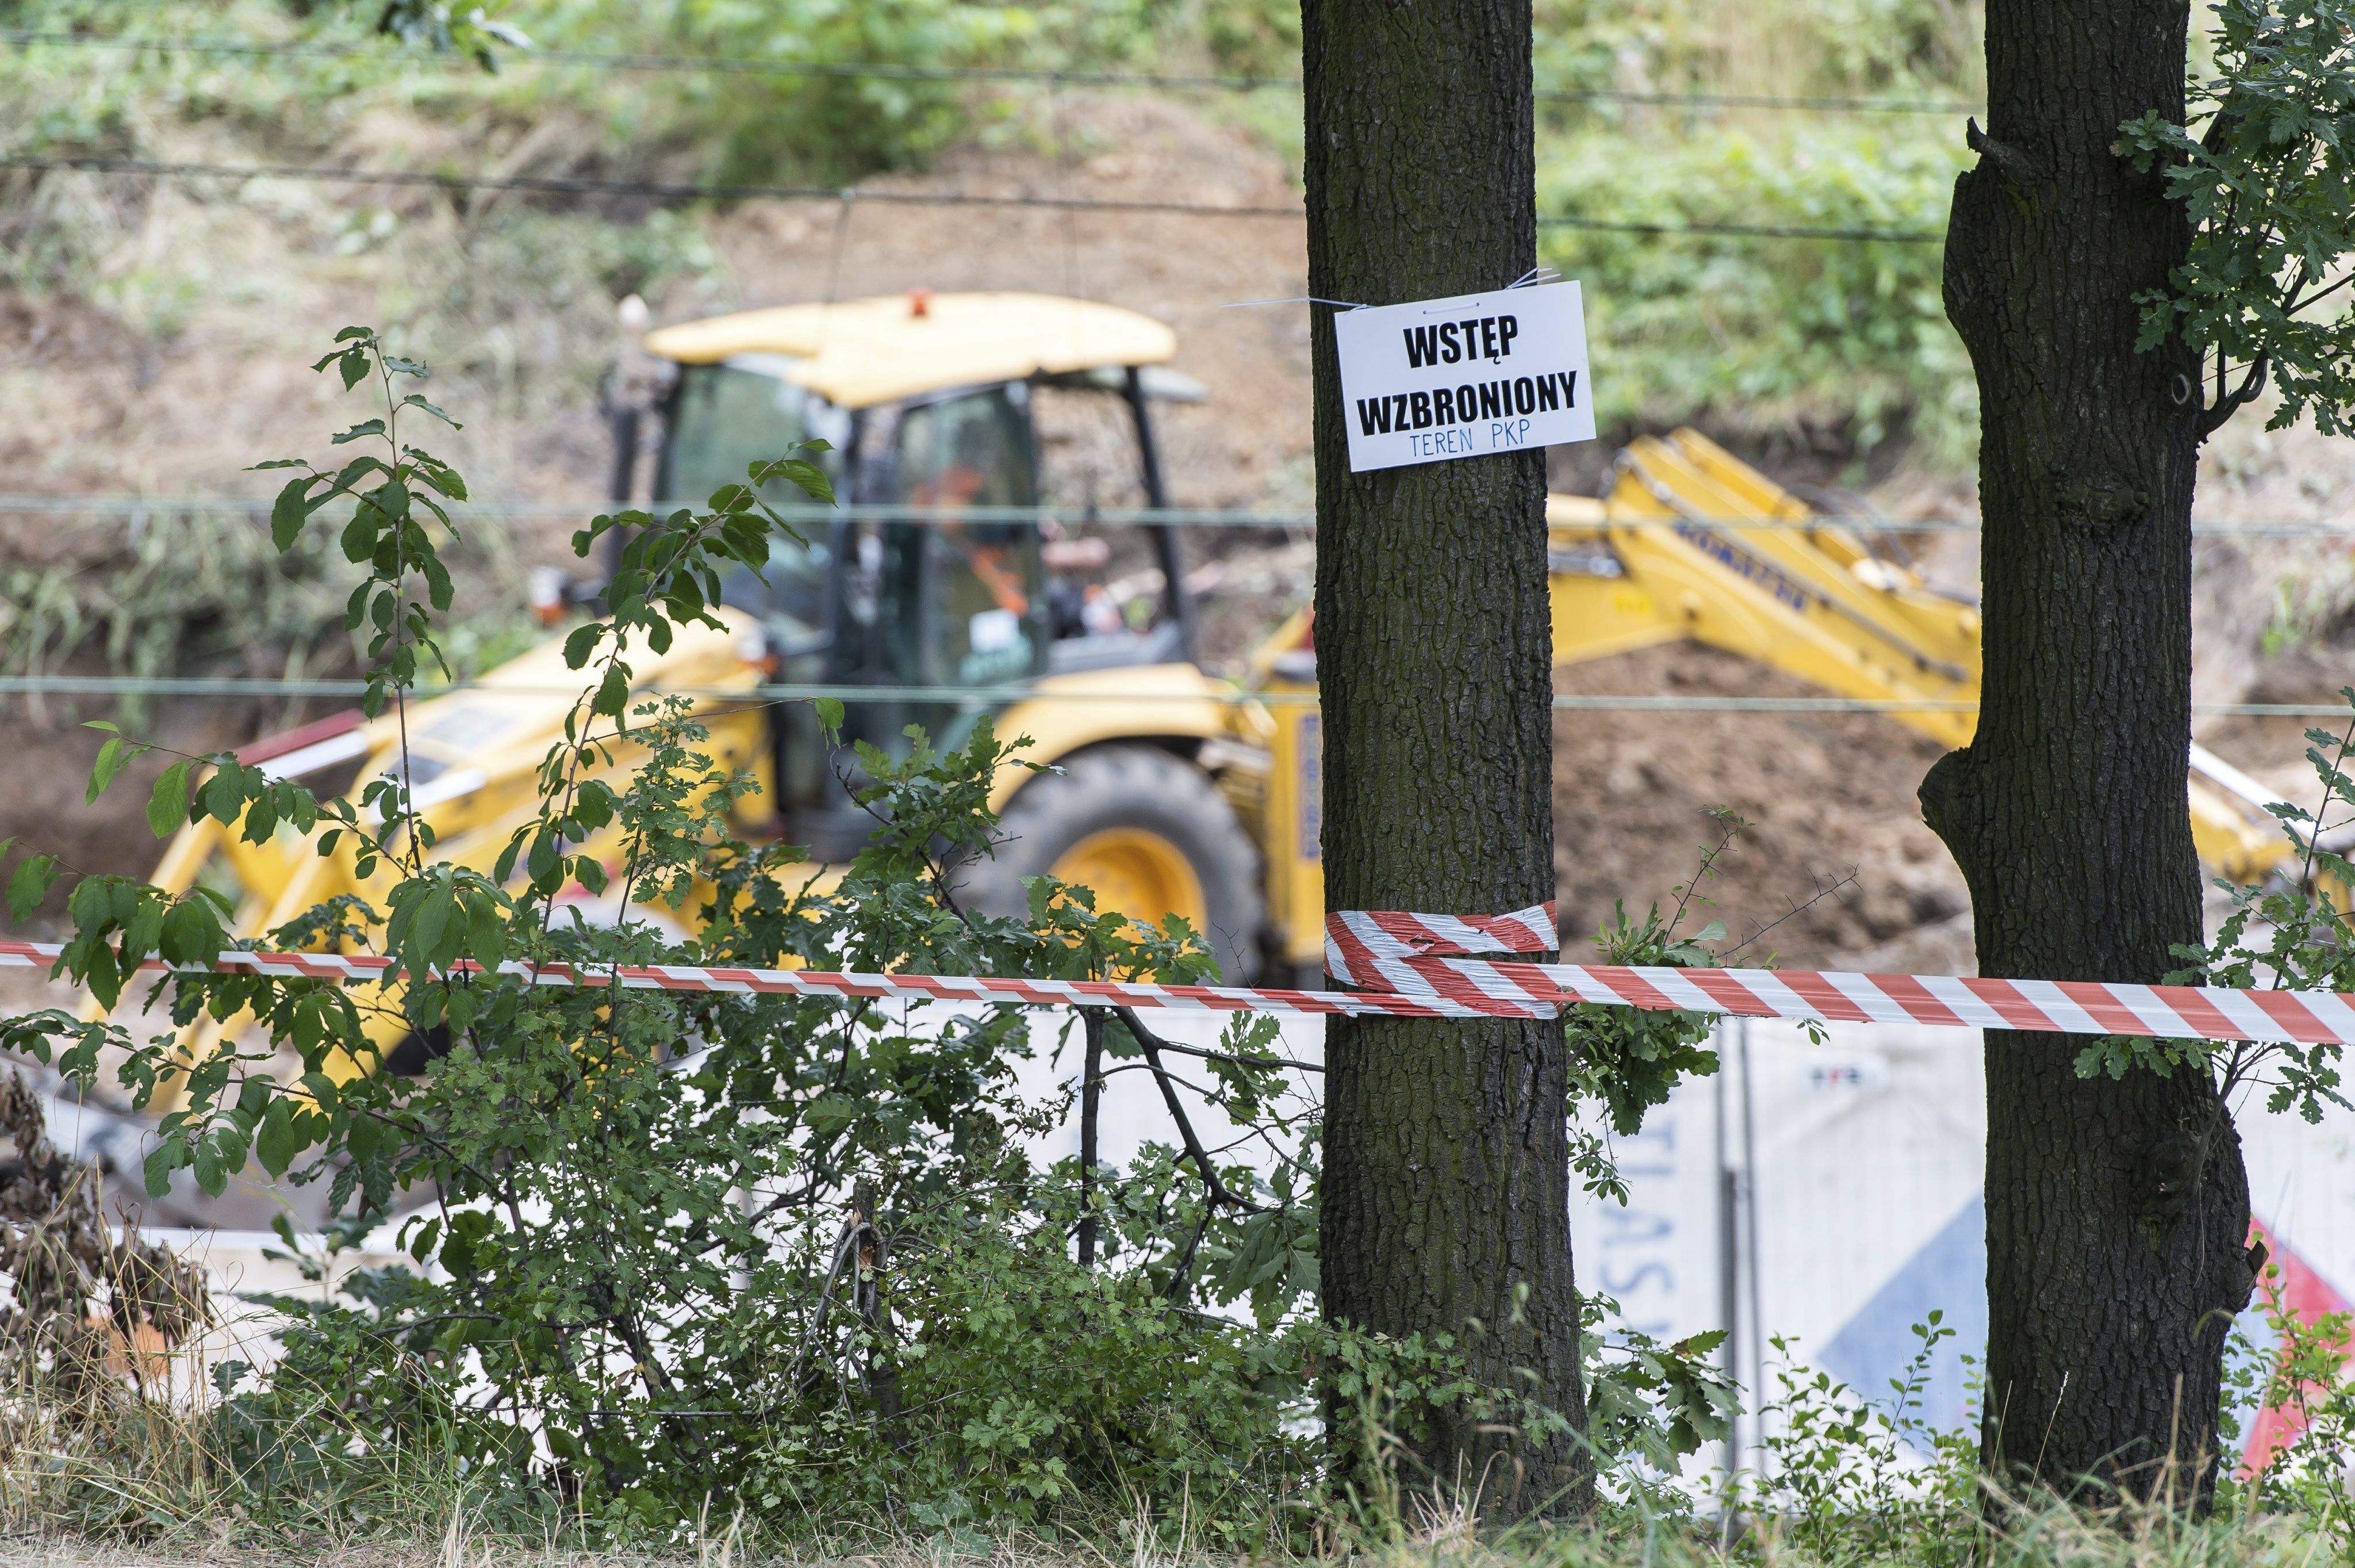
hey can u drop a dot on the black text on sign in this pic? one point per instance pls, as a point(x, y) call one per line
point(1467, 376)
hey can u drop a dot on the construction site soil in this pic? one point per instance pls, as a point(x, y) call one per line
point(1834, 856)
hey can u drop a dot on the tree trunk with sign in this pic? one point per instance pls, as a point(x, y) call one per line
point(2116, 1208)
point(1445, 1191)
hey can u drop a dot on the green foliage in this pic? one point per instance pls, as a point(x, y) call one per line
point(1006, 1383)
point(1764, 335)
point(2269, 180)
point(1625, 1061)
point(430, 25)
point(286, 588)
point(1249, 37)
point(180, 590)
point(1863, 1478)
point(657, 1237)
point(2293, 932)
point(1630, 1059)
point(486, 66)
point(2308, 1381)
point(1761, 337)
point(1885, 48)
point(1651, 1405)
point(391, 533)
point(634, 1197)
point(754, 128)
point(1848, 342)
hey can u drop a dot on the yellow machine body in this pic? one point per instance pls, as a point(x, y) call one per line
point(861, 354)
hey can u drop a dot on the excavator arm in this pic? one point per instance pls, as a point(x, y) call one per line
point(1691, 543)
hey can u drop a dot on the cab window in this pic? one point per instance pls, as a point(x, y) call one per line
point(983, 625)
point(723, 419)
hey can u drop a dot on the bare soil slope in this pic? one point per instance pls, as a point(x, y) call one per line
point(1834, 859)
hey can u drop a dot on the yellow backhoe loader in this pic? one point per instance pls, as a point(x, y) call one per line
point(940, 587)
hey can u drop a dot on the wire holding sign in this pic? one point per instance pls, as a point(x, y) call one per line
point(1468, 377)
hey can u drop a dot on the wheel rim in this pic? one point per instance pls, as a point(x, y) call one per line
point(1141, 875)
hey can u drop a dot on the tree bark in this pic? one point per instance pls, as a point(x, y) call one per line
point(1445, 1191)
point(2117, 1211)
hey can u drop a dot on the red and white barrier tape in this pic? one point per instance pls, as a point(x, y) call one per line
point(826, 983)
point(1416, 965)
point(1416, 955)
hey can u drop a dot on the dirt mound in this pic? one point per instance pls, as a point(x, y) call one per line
point(1833, 833)
point(72, 375)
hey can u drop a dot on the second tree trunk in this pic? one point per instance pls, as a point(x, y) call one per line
point(2116, 1210)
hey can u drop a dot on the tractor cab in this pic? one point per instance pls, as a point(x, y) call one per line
point(935, 580)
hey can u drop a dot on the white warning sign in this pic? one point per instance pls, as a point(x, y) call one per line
point(1467, 376)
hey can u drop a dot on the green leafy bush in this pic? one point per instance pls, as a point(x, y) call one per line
point(1761, 335)
point(739, 125)
point(2309, 1379)
point(2268, 180)
point(1846, 342)
point(1859, 1475)
point(1882, 48)
point(657, 1239)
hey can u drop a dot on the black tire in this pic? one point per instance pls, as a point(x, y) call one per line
point(1139, 787)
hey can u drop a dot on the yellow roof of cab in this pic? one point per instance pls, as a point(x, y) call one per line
point(860, 353)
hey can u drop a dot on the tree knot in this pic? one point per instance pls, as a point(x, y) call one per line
point(2100, 503)
point(2172, 1170)
point(2010, 162)
point(1949, 796)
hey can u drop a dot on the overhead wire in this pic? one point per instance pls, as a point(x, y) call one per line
point(136, 506)
point(677, 190)
point(742, 65)
point(133, 508)
point(232, 687)
point(592, 185)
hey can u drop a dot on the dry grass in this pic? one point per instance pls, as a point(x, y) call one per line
point(2053, 1538)
point(455, 1553)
